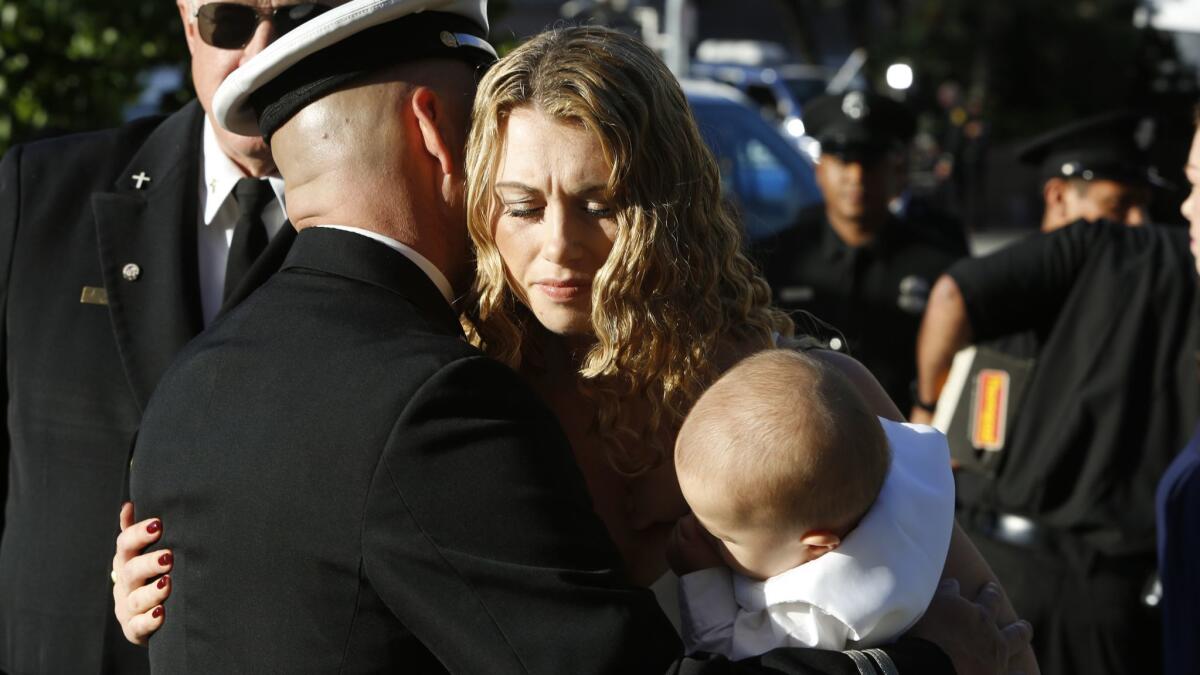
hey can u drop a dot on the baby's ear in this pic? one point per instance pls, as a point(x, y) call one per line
point(820, 542)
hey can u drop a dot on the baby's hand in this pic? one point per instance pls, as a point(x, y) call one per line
point(691, 548)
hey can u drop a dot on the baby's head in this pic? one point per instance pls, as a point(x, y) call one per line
point(779, 460)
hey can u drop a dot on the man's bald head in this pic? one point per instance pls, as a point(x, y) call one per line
point(385, 153)
point(369, 126)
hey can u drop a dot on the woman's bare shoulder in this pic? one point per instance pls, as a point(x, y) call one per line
point(862, 379)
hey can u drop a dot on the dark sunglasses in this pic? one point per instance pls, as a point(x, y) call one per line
point(229, 25)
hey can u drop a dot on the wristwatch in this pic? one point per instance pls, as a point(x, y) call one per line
point(916, 399)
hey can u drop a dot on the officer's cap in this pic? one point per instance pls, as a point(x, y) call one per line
point(1109, 146)
point(340, 45)
point(858, 124)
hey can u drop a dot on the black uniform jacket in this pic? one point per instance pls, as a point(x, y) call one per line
point(874, 294)
point(1114, 393)
point(99, 291)
point(348, 486)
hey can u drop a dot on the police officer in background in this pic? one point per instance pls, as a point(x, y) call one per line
point(1065, 516)
point(1094, 169)
point(851, 261)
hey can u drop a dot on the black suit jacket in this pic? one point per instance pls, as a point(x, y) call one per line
point(78, 374)
point(348, 486)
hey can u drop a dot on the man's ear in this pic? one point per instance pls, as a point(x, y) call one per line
point(431, 118)
point(189, 27)
point(1055, 193)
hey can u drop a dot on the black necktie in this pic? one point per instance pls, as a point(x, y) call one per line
point(249, 234)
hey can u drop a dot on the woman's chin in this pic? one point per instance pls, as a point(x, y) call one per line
point(566, 324)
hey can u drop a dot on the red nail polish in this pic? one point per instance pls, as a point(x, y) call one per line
point(162, 582)
point(165, 559)
point(154, 526)
point(157, 612)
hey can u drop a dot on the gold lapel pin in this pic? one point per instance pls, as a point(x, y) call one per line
point(93, 295)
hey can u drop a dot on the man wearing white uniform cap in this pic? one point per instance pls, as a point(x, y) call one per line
point(345, 484)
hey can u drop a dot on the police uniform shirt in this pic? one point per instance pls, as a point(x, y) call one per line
point(1114, 392)
point(874, 294)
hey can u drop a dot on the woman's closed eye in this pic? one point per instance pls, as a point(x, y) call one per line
point(522, 210)
point(598, 210)
point(529, 211)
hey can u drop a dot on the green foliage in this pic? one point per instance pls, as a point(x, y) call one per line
point(74, 65)
point(68, 65)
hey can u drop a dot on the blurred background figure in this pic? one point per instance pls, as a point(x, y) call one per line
point(1178, 503)
point(1065, 513)
point(851, 261)
point(118, 247)
point(1095, 169)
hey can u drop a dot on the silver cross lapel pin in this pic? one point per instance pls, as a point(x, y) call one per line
point(140, 178)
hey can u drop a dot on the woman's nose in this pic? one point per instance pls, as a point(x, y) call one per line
point(562, 243)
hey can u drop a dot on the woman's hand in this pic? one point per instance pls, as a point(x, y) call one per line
point(140, 580)
point(967, 632)
point(691, 548)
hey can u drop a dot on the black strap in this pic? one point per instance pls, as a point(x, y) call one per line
point(249, 234)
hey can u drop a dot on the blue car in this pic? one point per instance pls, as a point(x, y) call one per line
point(763, 174)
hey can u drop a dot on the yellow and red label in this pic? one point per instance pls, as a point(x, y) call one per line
point(991, 409)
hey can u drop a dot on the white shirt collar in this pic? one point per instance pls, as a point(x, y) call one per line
point(435, 275)
point(221, 175)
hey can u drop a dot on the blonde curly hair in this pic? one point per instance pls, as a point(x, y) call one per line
point(676, 290)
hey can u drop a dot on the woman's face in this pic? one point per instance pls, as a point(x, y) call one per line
point(556, 224)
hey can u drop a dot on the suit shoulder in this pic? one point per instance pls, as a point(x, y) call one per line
point(96, 155)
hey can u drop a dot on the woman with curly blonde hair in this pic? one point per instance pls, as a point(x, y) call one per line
point(609, 271)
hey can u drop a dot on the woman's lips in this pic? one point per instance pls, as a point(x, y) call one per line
point(563, 291)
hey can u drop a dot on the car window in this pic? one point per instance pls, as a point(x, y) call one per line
point(804, 89)
point(761, 173)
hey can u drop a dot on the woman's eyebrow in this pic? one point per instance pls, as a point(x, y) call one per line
point(597, 188)
point(513, 185)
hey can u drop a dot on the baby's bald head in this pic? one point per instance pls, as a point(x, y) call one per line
point(783, 438)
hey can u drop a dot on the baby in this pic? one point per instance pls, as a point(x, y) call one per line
point(831, 525)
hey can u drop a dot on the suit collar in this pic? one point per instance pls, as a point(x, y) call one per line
point(149, 233)
point(354, 256)
point(268, 263)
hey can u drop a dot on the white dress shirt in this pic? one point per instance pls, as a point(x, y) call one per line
point(864, 593)
point(218, 215)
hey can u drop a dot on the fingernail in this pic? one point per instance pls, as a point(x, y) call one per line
point(154, 526)
point(162, 582)
point(157, 612)
point(165, 559)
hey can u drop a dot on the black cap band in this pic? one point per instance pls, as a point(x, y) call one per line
point(1123, 165)
point(423, 35)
